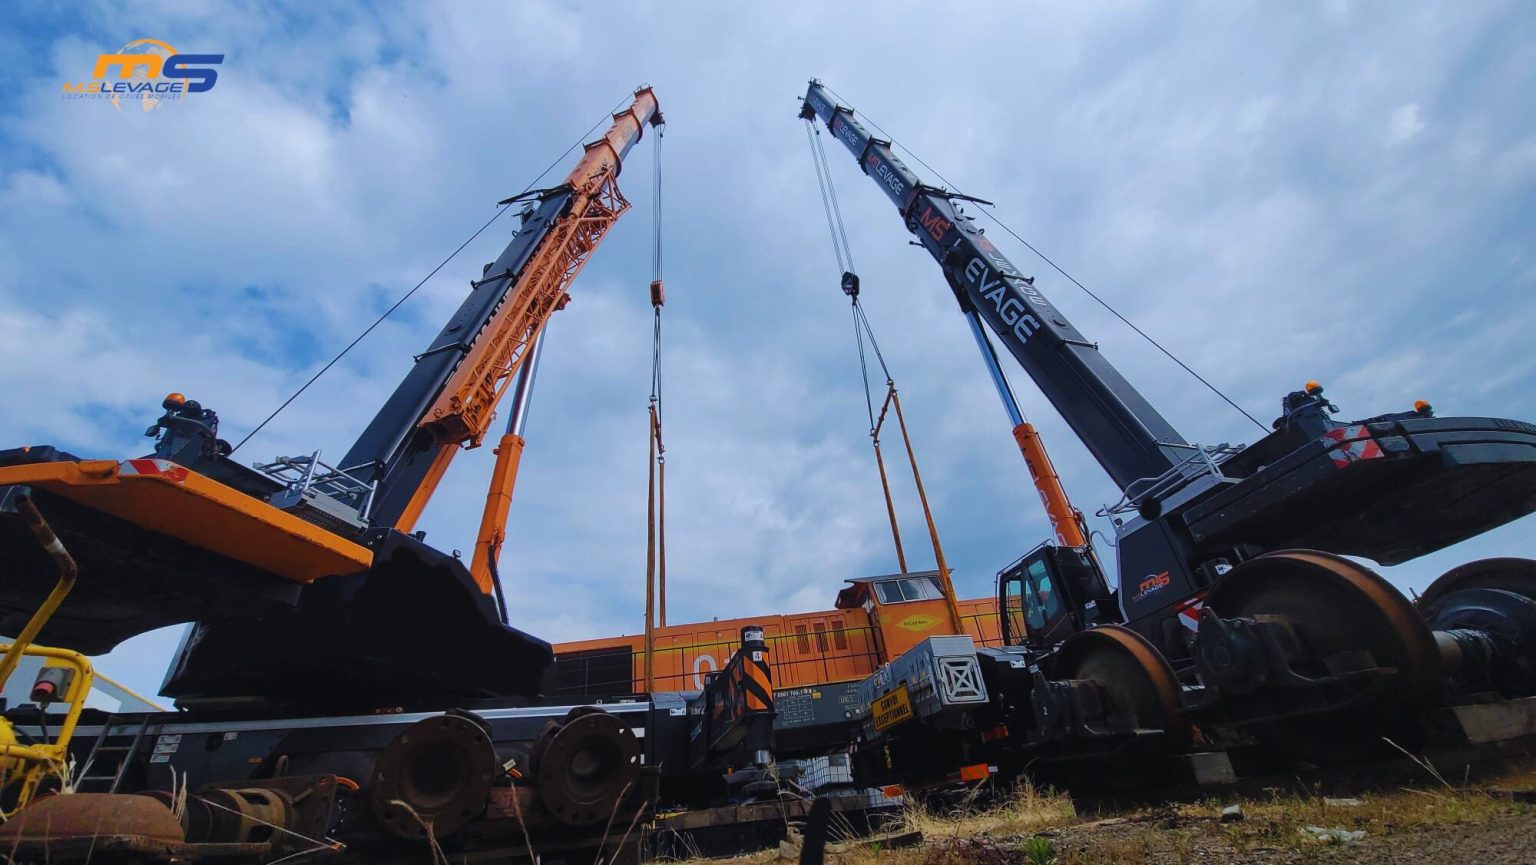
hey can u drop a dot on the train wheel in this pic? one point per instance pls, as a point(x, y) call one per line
point(1487, 610)
point(1506, 574)
point(1135, 683)
point(1344, 617)
point(1338, 608)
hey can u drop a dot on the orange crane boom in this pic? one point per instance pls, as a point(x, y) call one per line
point(464, 409)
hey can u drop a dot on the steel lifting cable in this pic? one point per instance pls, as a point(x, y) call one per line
point(829, 199)
point(440, 265)
point(656, 497)
point(1069, 277)
point(862, 331)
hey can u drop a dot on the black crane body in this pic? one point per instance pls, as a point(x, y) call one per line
point(1230, 559)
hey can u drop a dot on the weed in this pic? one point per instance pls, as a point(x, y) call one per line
point(1039, 851)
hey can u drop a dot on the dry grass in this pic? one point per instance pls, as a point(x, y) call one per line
point(1039, 827)
point(955, 835)
point(1027, 812)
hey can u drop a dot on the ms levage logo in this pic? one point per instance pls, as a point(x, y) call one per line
point(149, 72)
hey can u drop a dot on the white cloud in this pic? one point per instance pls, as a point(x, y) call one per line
point(1406, 123)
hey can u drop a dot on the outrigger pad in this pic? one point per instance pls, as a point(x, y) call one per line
point(412, 630)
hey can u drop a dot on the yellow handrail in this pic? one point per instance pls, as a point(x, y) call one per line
point(67, 572)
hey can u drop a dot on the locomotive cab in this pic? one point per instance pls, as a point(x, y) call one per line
point(905, 609)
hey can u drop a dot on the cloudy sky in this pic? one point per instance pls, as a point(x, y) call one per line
point(1336, 191)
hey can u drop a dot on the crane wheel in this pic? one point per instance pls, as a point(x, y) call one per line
point(1136, 684)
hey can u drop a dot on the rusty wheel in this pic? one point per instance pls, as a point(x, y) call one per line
point(437, 772)
point(586, 766)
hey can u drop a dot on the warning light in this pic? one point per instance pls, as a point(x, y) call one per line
point(174, 399)
point(1313, 387)
point(1422, 406)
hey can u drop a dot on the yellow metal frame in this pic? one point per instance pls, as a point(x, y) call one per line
point(36, 763)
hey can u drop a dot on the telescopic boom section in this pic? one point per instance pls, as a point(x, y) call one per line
point(1121, 429)
point(448, 400)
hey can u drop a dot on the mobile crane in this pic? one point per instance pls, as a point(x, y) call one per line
point(1236, 606)
point(327, 636)
point(308, 587)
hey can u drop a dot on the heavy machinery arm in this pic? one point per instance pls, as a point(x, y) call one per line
point(1189, 513)
point(1121, 429)
point(448, 400)
point(1236, 607)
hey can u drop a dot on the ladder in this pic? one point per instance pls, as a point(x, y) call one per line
point(101, 779)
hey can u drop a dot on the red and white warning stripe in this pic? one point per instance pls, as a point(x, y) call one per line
point(1189, 613)
point(1351, 444)
point(158, 468)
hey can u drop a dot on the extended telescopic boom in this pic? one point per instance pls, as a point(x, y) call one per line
point(449, 398)
point(1121, 429)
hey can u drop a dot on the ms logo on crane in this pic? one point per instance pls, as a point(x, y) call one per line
point(149, 71)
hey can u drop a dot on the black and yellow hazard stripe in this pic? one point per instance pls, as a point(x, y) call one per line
point(757, 681)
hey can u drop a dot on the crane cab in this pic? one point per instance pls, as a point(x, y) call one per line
point(1051, 593)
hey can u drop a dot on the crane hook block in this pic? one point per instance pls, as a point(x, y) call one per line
point(850, 283)
point(658, 294)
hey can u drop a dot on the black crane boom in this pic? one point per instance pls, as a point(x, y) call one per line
point(1120, 428)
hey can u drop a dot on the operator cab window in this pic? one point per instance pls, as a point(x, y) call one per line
point(1042, 601)
point(900, 591)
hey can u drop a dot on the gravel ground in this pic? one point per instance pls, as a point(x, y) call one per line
point(1505, 835)
point(1434, 823)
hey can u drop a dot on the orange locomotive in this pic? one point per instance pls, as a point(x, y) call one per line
point(874, 620)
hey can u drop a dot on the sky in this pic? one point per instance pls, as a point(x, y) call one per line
point(1276, 192)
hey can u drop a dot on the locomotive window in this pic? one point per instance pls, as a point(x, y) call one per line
point(925, 588)
point(897, 591)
